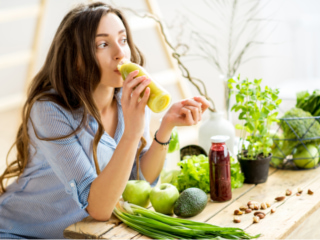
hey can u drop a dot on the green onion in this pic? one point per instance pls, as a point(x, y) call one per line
point(160, 226)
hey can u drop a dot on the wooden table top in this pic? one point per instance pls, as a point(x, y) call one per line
point(289, 214)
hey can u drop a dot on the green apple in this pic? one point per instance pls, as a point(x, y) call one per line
point(163, 198)
point(137, 192)
point(306, 158)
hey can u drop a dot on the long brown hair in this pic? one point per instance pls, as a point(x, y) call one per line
point(74, 42)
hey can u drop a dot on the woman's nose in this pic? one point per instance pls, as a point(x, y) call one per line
point(119, 52)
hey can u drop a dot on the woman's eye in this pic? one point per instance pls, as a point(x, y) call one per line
point(124, 40)
point(102, 45)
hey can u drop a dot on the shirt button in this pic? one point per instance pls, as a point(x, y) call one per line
point(72, 184)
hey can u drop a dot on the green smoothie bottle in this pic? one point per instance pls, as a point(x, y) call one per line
point(159, 98)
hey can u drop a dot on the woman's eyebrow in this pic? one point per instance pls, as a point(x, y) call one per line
point(106, 34)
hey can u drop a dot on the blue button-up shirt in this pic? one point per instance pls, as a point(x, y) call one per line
point(52, 193)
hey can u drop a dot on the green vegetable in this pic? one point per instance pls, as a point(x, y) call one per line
point(306, 156)
point(306, 129)
point(277, 157)
point(195, 173)
point(169, 176)
point(191, 202)
point(277, 138)
point(237, 177)
point(310, 103)
point(277, 154)
point(160, 226)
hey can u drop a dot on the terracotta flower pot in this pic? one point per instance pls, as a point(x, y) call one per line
point(255, 171)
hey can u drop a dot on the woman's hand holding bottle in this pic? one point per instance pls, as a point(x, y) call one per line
point(133, 105)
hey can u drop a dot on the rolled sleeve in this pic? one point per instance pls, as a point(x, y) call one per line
point(68, 160)
point(80, 192)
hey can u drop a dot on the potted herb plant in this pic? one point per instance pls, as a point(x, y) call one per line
point(258, 111)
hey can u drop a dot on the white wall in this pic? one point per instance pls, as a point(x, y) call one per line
point(295, 58)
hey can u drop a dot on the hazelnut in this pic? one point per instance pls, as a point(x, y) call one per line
point(280, 198)
point(273, 210)
point(300, 190)
point(243, 208)
point(249, 210)
point(298, 194)
point(256, 207)
point(236, 219)
point(257, 213)
point(310, 192)
point(288, 192)
point(261, 216)
point(268, 204)
point(251, 206)
point(256, 219)
point(263, 206)
point(251, 203)
point(237, 212)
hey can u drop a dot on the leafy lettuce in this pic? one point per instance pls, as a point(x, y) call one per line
point(195, 173)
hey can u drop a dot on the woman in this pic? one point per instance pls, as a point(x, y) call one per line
point(81, 129)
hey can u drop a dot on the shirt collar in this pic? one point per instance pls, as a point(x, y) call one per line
point(118, 94)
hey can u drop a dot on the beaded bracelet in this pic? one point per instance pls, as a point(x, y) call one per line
point(163, 144)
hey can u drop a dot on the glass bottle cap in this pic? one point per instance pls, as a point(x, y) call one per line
point(219, 138)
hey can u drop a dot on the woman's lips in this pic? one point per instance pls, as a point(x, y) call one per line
point(117, 71)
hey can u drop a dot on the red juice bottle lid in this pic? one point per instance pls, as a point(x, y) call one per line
point(219, 138)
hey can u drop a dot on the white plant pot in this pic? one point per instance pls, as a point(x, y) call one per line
point(216, 125)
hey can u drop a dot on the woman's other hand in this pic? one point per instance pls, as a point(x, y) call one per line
point(133, 106)
point(187, 112)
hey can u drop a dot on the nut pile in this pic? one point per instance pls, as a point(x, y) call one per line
point(254, 206)
point(251, 206)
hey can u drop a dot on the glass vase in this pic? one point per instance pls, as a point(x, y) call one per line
point(216, 125)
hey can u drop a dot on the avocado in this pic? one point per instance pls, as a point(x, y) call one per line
point(190, 202)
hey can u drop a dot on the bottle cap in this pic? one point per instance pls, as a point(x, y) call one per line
point(219, 138)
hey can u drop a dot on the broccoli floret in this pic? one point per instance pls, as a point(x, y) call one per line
point(308, 130)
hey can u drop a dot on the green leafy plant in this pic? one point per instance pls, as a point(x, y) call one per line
point(258, 110)
point(195, 173)
point(310, 103)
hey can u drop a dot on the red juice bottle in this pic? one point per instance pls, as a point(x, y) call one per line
point(219, 163)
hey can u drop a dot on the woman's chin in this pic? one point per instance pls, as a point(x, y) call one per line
point(120, 85)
